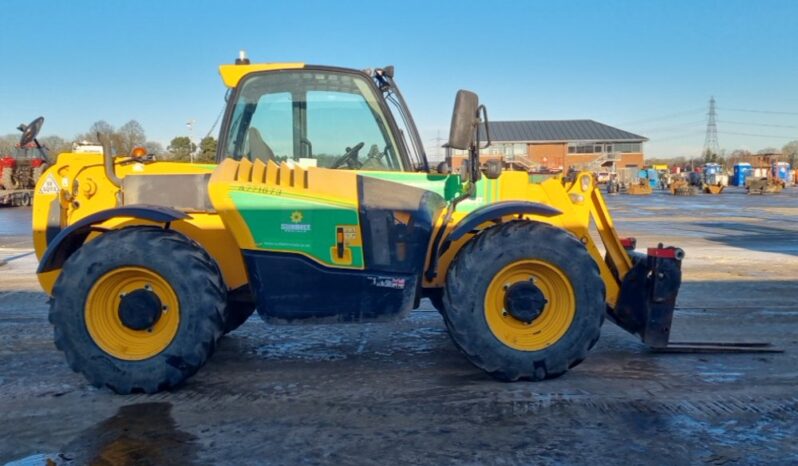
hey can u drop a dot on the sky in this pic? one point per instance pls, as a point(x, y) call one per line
point(649, 67)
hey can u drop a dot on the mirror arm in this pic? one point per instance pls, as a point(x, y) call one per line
point(42, 152)
point(482, 109)
point(432, 269)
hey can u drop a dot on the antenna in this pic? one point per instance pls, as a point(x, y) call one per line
point(711, 146)
point(190, 126)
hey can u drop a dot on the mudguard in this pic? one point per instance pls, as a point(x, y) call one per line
point(72, 237)
point(498, 210)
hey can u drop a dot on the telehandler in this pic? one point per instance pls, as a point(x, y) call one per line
point(322, 207)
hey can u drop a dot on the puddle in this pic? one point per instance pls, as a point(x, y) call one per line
point(140, 434)
point(719, 376)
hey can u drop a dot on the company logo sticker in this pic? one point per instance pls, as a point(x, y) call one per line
point(296, 225)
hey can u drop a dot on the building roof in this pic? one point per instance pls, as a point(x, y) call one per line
point(559, 131)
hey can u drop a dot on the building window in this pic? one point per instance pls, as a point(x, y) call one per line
point(628, 147)
point(507, 150)
point(595, 148)
point(582, 148)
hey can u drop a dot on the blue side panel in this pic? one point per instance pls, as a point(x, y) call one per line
point(293, 287)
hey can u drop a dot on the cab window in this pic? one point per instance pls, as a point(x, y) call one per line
point(314, 118)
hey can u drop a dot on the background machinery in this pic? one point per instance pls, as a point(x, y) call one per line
point(775, 179)
point(20, 170)
point(322, 207)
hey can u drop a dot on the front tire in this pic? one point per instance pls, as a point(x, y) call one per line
point(556, 301)
point(139, 309)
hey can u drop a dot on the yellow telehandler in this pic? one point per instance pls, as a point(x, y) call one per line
point(322, 207)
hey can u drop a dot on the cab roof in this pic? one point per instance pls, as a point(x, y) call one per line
point(232, 74)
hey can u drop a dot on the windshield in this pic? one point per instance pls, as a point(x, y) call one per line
point(327, 119)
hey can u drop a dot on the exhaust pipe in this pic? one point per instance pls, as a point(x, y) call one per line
point(108, 161)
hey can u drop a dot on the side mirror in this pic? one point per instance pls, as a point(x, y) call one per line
point(464, 120)
point(29, 132)
point(493, 169)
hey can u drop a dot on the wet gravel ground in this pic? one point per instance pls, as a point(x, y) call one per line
point(400, 392)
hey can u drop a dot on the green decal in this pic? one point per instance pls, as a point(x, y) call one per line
point(289, 224)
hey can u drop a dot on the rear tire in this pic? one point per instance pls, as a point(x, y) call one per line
point(87, 315)
point(560, 267)
point(435, 297)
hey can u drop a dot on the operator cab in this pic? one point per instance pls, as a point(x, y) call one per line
point(318, 116)
point(314, 117)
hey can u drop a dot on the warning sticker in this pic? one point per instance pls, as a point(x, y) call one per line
point(50, 186)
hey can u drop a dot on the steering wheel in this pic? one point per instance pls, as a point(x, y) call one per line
point(30, 131)
point(349, 158)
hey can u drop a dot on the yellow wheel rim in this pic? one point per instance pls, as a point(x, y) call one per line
point(101, 314)
point(554, 320)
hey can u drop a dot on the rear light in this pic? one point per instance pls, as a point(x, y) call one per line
point(666, 253)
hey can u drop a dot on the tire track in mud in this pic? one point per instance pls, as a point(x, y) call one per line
point(708, 406)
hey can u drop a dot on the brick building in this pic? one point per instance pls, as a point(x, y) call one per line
point(559, 144)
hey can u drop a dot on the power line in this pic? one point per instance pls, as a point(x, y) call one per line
point(690, 124)
point(759, 135)
point(662, 117)
point(748, 110)
point(769, 125)
point(678, 136)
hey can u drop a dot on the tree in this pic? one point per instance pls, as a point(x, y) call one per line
point(7, 144)
point(154, 148)
point(130, 135)
point(55, 145)
point(767, 150)
point(99, 132)
point(374, 151)
point(790, 152)
point(207, 150)
point(737, 156)
point(102, 127)
point(181, 148)
point(122, 140)
point(710, 157)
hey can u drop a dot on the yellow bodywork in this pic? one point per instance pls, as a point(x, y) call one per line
point(232, 74)
point(581, 204)
point(85, 190)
